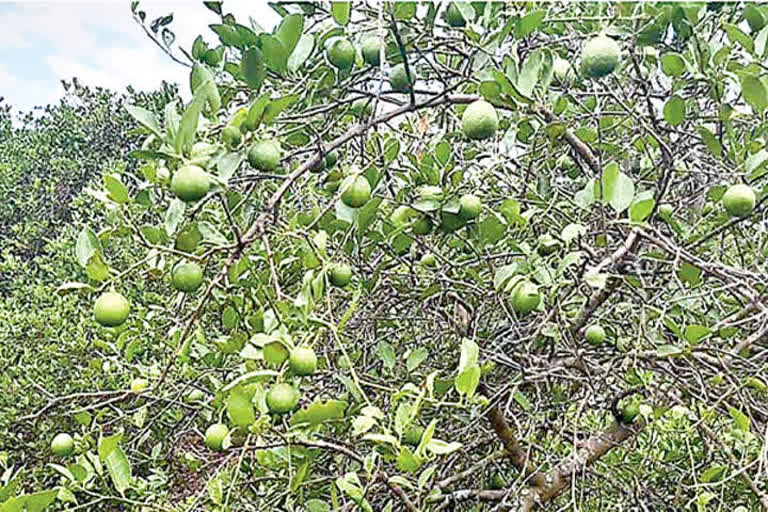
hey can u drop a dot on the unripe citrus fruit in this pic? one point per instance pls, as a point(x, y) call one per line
point(413, 435)
point(187, 277)
point(190, 183)
point(215, 435)
point(341, 275)
point(139, 385)
point(428, 260)
point(451, 222)
point(357, 193)
point(563, 70)
point(422, 226)
point(453, 16)
point(600, 56)
point(629, 412)
point(739, 200)
point(525, 297)
point(62, 445)
point(470, 206)
point(341, 53)
point(595, 335)
point(371, 50)
point(282, 398)
point(111, 309)
point(231, 136)
point(264, 155)
point(480, 120)
point(398, 78)
point(547, 245)
point(303, 361)
point(275, 353)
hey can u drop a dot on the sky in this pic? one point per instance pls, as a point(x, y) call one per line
point(100, 44)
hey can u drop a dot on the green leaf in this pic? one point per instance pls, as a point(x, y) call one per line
point(672, 64)
point(529, 23)
point(641, 206)
point(689, 274)
point(86, 246)
point(302, 52)
point(71, 286)
point(108, 444)
point(240, 408)
point(315, 505)
point(492, 230)
point(117, 191)
point(694, 333)
point(755, 92)
point(467, 381)
point(96, 268)
point(674, 110)
point(741, 419)
point(189, 119)
point(340, 12)
point(318, 412)
point(145, 118)
point(415, 358)
point(710, 141)
point(387, 354)
point(119, 469)
point(274, 108)
point(252, 68)
point(211, 234)
point(405, 10)
point(618, 189)
point(737, 36)
point(667, 351)
point(289, 31)
point(274, 52)
point(407, 461)
point(713, 473)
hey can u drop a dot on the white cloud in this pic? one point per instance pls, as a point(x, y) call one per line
point(100, 44)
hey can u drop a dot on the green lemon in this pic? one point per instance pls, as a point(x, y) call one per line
point(398, 78)
point(595, 335)
point(264, 155)
point(357, 193)
point(188, 238)
point(451, 222)
point(480, 120)
point(470, 207)
point(190, 183)
point(62, 445)
point(422, 226)
point(403, 215)
point(215, 435)
point(547, 245)
point(428, 260)
point(231, 136)
point(739, 200)
point(341, 53)
point(525, 297)
point(453, 16)
point(341, 275)
point(139, 385)
point(274, 353)
point(282, 398)
point(371, 49)
point(600, 56)
point(629, 412)
point(563, 70)
point(303, 361)
point(187, 277)
point(413, 435)
point(111, 309)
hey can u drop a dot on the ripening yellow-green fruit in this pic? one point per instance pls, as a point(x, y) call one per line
point(371, 50)
point(398, 78)
point(341, 275)
point(600, 56)
point(187, 277)
point(265, 155)
point(525, 297)
point(739, 200)
point(282, 398)
point(215, 435)
point(303, 361)
point(480, 120)
point(62, 445)
point(111, 309)
point(357, 193)
point(341, 53)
